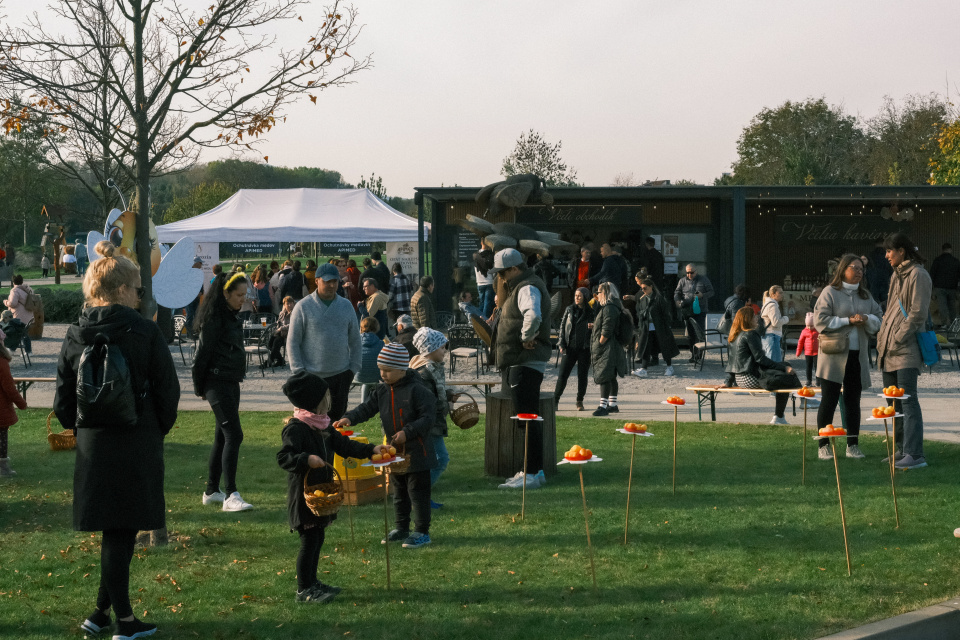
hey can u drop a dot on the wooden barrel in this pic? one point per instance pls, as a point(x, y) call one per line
point(503, 447)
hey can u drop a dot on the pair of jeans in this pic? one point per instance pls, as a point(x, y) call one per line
point(311, 540)
point(411, 492)
point(771, 347)
point(486, 295)
point(852, 390)
point(947, 302)
point(116, 552)
point(443, 458)
point(339, 393)
point(224, 399)
point(579, 358)
point(524, 384)
point(909, 438)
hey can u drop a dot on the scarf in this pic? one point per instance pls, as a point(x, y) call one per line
point(318, 422)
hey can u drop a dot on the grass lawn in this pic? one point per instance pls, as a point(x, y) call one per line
point(741, 551)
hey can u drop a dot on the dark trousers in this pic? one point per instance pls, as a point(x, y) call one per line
point(573, 357)
point(524, 384)
point(701, 321)
point(651, 354)
point(339, 391)
point(224, 399)
point(610, 388)
point(311, 540)
point(276, 343)
point(830, 397)
point(811, 369)
point(3, 442)
point(411, 492)
point(115, 555)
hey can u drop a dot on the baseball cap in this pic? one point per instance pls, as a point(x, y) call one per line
point(505, 259)
point(406, 320)
point(327, 272)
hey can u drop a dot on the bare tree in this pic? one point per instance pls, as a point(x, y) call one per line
point(171, 79)
point(625, 179)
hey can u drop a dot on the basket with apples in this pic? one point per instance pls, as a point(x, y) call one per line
point(323, 499)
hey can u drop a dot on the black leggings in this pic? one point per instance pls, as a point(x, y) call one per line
point(115, 555)
point(224, 399)
point(311, 540)
point(811, 368)
point(610, 388)
point(3, 442)
point(339, 391)
point(411, 492)
point(652, 350)
point(830, 397)
point(574, 357)
point(524, 384)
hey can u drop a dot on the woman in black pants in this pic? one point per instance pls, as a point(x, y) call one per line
point(219, 366)
point(846, 315)
point(118, 477)
point(574, 344)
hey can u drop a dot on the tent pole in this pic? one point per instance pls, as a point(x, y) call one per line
point(420, 257)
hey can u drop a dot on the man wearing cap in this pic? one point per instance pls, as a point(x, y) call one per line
point(324, 338)
point(522, 347)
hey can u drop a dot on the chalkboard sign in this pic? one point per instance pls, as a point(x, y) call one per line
point(467, 243)
point(250, 249)
point(352, 248)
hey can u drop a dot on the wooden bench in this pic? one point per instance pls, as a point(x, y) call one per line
point(25, 383)
point(707, 394)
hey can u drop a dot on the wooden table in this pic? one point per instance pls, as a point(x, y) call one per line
point(25, 383)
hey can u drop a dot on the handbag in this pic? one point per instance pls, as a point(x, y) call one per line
point(696, 305)
point(833, 343)
point(774, 380)
point(929, 345)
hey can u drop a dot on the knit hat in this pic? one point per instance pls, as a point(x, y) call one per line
point(428, 340)
point(305, 390)
point(406, 320)
point(394, 356)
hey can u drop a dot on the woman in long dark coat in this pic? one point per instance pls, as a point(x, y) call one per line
point(654, 333)
point(118, 477)
point(606, 353)
point(574, 344)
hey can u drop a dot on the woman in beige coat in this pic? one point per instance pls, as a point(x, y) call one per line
point(908, 307)
point(847, 314)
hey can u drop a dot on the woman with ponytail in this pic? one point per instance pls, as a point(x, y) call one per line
point(219, 365)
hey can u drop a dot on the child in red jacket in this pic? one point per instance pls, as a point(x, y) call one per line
point(8, 396)
point(809, 345)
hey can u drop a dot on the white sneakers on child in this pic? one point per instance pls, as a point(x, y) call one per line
point(236, 503)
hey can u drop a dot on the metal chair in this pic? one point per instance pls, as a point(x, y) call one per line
point(260, 348)
point(704, 344)
point(15, 341)
point(184, 337)
point(952, 334)
point(445, 320)
point(464, 343)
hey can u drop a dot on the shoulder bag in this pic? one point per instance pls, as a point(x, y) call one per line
point(834, 343)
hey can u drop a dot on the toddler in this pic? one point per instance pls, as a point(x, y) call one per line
point(432, 346)
point(309, 443)
point(809, 345)
point(9, 396)
point(407, 413)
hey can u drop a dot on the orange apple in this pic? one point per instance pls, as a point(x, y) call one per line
point(889, 411)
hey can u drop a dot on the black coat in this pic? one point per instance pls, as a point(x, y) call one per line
point(656, 309)
point(608, 359)
point(409, 406)
point(219, 354)
point(300, 441)
point(747, 357)
point(118, 475)
point(614, 271)
point(382, 276)
point(574, 332)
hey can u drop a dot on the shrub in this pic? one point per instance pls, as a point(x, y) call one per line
point(60, 305)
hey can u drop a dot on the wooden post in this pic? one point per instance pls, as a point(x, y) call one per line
point(891, 449)
point(386, 530)
point(626, 526)
point(586, 520)
point(674, 450)
point(843, 516)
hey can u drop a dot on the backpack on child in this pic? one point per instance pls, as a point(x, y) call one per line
point(105, 395)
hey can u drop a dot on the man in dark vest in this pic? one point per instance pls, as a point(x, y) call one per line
point(522, 347)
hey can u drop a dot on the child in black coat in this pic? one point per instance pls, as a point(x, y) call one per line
point(309, 443)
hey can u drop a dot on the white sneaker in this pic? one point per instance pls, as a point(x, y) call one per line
point(824, 453)
point(235, 503)
point(669, 371)
point(211, 498)
point(541, 478)
point(533, 482)
point(640, 373)
point(511, 482)
point(778, 420)
point(853, 451)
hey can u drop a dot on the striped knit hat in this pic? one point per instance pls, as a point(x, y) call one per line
point(394, 356)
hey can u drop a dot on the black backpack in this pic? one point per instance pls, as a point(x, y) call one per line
point(291, 284)
point(625, 329)
point(105, 395)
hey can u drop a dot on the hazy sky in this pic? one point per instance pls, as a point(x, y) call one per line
point(659, 89)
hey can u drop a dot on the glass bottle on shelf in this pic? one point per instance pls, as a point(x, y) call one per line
point(787, 283)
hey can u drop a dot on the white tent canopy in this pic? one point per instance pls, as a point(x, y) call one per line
point(296, 215)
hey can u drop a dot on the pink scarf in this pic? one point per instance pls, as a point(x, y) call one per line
point(319, 422)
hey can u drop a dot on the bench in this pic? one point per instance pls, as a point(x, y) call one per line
point(476, 384)
point(25, 383)
point(707, 394)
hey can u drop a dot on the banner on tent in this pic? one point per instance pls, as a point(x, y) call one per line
point(351, 248)
point(406, 254)
point(251, 249)
point(209, 252)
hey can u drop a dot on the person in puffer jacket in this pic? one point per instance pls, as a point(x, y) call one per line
point(370, 346)
point(432, 346)
point(407, 413)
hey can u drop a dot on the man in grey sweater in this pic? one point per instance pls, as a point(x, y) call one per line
point(324, 338)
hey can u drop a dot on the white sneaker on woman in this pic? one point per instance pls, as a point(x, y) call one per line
point(669, 371)
point(212, 498)
point(236, 503)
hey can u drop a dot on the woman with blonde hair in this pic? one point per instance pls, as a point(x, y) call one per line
point(747, 359)
point(774, 321)
point(118, 477)
point(607, 354)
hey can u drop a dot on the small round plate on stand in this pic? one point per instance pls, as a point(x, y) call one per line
point(380, 465)
point(593, 459)
point(634, 433)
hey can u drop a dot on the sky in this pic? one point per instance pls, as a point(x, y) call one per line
point(659, 90)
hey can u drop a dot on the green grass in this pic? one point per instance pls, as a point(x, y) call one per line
point(741, 551)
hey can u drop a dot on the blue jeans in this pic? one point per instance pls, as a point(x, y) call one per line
point(486, 295)
point(81, 266)
point(909, 438)
point(771, 347)
point(442, 456)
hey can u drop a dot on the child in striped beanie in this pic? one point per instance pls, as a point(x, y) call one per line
point(407, 410)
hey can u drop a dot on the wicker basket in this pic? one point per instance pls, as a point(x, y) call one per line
point(326, 505)
point(466, 415)
point(397, 467)
point(63, 441)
